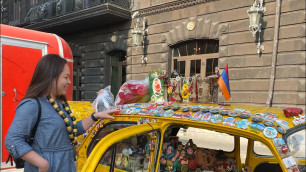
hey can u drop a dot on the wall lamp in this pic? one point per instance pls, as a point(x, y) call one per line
point(138, 33)
point(255, 15)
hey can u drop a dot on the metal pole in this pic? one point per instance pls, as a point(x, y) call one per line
point(274, 52)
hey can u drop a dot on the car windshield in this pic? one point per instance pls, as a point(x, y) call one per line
point(296, 143)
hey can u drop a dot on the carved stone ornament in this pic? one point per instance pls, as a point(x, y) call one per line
point(114, 38)
point(190, 25)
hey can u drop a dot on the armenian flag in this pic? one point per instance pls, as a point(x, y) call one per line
point(224, 83)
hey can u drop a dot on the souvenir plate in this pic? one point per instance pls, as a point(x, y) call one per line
point(270, 132)
point(268, 123)
point(206, 110)
point(177, 115)
point(196, 116)
point(230, 121)
point(256, 128)
point(168, 113)
point(214, 111)
point(176, 108)
point(216, 119)
point(195, 109)
point(206, 117)
point(167, 107)
point(245, 115)
point(223, 112)
point(270, 117)
point(185, 109)
point(151, 112)
point(233, 113)
point(243, 124)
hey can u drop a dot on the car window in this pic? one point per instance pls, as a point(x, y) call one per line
point(133, 154)
point(207, 139)
point(296, 143)
point(190, 148)
point(261, 149)
point(106, 130)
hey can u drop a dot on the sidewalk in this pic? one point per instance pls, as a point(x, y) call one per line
point(13, 170)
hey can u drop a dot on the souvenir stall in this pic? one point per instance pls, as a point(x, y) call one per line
point(145, 102)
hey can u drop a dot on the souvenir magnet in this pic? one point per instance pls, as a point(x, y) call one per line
point(168, 113)
point(151, 112)
point(223, 112)
point(268, 123)
point(239, 110)
point(206, 110)
point(176, 108)
point(185, 109)
point(196, 116)
point(167, 107)
point(270, 117)
point(282, 123)
point(245, 115)
point(270, 132)
point(136, 110)
point(233, 113)
point(214, 110)
point(289, 162)
point(186, 116)
point(177, 116)
point(206, 117)
point(243, 124)
point(195, 109)
point(256, 128)
point(230, 121)
point(216, 119)
point(281, 129)
point(159, 113)
point(143, 112)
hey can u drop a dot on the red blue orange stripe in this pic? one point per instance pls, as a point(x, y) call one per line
point(224, 83)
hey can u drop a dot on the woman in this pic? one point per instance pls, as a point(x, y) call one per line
point(54, 144)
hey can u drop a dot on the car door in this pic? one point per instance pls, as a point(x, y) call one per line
point(132, 148)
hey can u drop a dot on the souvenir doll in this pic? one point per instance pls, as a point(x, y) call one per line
point(168, 157)
point(204, 158)
point(162, 159)
point(191, 158)
point(173, 90)
point(183, 160)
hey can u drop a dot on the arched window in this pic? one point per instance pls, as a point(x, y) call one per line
point(195, 57)
point(118, 70)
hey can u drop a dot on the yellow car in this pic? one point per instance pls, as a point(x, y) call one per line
point(195, 137)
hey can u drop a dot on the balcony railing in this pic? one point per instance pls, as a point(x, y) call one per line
point(49, 9)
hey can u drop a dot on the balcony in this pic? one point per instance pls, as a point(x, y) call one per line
point(67, 16)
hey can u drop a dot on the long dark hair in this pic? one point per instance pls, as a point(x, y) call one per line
point(48, 68)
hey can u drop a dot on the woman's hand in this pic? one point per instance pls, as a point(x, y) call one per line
point(44, 166)
point(106, 114)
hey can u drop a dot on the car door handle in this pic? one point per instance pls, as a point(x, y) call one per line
point(15, 91)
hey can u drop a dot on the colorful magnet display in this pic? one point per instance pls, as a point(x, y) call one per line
point(223, 112)
point(245, 115)
point(186, 116)
point(214, 111)
point(268, 123)
point(243, 124)
point(282, 123)
point(136, 110)
point(270, 132)
point(230, 121)
point(216, 119)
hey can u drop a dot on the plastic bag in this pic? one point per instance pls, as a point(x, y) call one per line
point(104, 100)
point(132, 91)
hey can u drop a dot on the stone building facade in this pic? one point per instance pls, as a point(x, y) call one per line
point(171, 23)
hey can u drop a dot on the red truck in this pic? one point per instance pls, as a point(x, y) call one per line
point(20, 50)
